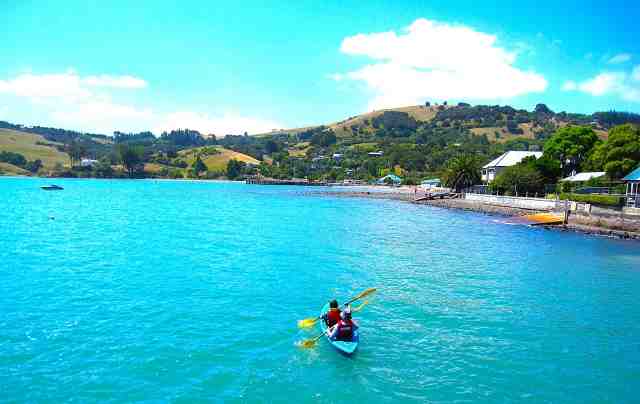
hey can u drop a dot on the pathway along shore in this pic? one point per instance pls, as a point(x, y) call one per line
point(405, 195)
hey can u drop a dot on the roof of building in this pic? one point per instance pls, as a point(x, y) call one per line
point(633, 175)
point(392, 177)
point(582, 177)
point(511, 158)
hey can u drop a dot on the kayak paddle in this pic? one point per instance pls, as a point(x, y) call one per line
point(310, 322)
point(311, 342)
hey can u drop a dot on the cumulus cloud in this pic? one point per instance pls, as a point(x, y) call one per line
point(229, 123)
point(430, 59)
point(619, 58)
point(621, 84)
point(86, 103)
point(69, 100)
point(569, 85)
point(102, 116)
point(61, 85)
point(68, 86)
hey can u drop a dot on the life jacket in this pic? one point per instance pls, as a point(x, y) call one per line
point(345, 330)
point(333, 317)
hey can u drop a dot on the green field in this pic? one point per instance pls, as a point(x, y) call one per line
point(217, 161)
point(27, 145)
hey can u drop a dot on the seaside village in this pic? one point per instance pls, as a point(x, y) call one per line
point(583, 205)
point(574, 202)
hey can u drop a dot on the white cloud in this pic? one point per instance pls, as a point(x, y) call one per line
point(102, 116)
point(69, 100)
point(620, 84)
point(620, 58)
point(219, 125)
point(433, 60)
point(115, 81)
point(569, 86)
point(68, 86)
point(602, 84)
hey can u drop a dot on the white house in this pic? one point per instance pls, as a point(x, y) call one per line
point(583, 177)
point(88, 162)
point(510, 158)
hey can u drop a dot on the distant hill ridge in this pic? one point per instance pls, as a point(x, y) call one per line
point(418, 138)
point(499, 123)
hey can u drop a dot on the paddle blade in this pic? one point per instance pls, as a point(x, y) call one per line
point(308, 343)
point(366, 293)
point(357, 309)
point(307, 322)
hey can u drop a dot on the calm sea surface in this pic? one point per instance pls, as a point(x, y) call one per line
point(121, 291)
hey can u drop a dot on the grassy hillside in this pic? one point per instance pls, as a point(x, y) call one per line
point(215, 160)
point(10, 169)
point(33, 147)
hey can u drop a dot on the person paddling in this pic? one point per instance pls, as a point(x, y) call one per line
point(344, 329)
point(332, 317)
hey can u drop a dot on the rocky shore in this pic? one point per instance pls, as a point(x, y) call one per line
point(406, 194)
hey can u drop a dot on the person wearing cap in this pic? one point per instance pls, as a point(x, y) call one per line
point(332, 317)
point(344, 329)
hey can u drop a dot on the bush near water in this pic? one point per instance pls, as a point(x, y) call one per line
point(594, 199)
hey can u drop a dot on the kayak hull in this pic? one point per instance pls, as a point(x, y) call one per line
point(344, 347)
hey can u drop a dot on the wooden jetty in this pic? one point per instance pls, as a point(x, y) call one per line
point(274, 181)
point(436, 195)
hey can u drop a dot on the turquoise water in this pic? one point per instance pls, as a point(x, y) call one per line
point(157, 291)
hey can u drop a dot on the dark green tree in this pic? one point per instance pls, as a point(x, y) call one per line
point(519, 179)
point(571, 145)
point(271, 146)
point(462, 172)
point(131, 157)
point(620, 154)
point(76, 151)
point(34, 166)
point(234, 169)
point(198, 167)
point(103, 168)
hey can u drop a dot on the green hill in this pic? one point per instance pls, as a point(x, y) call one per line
point(32, 147)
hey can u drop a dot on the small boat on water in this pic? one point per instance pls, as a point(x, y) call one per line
point(345, 347)
point(52, 187)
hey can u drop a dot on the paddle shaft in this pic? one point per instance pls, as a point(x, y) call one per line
point(327, 332)
point(360, 296)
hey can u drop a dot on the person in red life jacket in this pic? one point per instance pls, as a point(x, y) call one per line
point(332, 317)
point(343, 331)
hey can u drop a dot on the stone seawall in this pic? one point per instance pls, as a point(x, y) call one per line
point(623, 219)
point(535, 204)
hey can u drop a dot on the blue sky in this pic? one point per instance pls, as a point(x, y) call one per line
point(226, 68)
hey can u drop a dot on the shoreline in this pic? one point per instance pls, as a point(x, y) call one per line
point(492, 210)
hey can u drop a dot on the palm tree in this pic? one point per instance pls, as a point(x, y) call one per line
point(462, 172)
